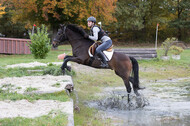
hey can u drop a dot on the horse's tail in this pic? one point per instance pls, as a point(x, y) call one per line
point(135, 80)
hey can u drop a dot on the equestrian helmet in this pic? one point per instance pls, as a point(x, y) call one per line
point(93, 19)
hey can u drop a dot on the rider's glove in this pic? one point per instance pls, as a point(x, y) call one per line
point(86, 36)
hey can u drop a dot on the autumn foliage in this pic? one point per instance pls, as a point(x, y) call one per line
point(55, 11)
point(2, 10)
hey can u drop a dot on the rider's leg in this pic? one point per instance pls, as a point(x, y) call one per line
point(100, 49)
point(103, 59)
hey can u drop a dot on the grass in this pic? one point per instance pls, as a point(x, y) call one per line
point(56, 85)
point(52, 57)
point(30, 89)
point(8, 95)
point(48, 120)
point(19, 72)
point(158, 69)
point(89, 117)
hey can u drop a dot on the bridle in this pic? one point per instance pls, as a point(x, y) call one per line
point(61, 35)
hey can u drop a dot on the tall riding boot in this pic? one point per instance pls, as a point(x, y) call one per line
point(104, 63)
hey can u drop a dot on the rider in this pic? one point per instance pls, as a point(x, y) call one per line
point(97, 34)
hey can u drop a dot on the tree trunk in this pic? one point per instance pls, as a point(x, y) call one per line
point(179, 10)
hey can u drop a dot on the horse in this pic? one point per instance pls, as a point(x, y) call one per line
point(122, 64)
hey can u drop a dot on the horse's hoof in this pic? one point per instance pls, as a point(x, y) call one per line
point(141, 88)
point(63, 71)
point(137, 93)
point(69, 68)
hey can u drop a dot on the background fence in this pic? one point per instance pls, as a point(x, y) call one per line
point(14, 46)
point(139, 53)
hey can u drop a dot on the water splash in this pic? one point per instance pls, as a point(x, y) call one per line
point(119, 101)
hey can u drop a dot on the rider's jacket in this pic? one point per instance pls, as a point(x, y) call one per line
point(101, 33)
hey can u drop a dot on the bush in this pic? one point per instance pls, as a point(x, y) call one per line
point(167, 44)
point(176, 50)
point(40, 43)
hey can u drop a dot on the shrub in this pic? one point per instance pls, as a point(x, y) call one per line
point(176, 50)
point(40, 43)
point(167, 44)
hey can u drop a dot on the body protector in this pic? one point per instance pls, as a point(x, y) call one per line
point(101, 33)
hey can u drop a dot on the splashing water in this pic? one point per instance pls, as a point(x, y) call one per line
point(118, 100)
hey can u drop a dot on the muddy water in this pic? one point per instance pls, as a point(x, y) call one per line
point(162, 103)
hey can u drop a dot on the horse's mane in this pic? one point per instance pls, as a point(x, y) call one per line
point(76, 29)
point(79, 30)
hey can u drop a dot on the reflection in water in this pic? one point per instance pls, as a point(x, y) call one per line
point(164, 103)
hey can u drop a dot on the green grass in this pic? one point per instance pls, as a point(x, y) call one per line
point(19, 72)
point(7, 95)
point(48, 120)
point(56, 85)
point(52, 57)
point(30, 89)
point(89, 117)
point(158, 69)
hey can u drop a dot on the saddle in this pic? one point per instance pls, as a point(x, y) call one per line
point(93, 47)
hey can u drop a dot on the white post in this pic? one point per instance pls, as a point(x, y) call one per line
point(32, 30)
point(100, 23)
point(156, 36)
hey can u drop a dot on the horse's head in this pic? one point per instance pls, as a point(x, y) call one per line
point(61, 36)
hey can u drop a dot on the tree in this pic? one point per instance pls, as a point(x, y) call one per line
point(55, 12)
point(139, 18)
point(103, 10)
point(2, 10)
point(181, 12)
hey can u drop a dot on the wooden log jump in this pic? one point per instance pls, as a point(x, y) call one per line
point(139, 53)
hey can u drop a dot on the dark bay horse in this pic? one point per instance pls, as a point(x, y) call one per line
point(123, 65)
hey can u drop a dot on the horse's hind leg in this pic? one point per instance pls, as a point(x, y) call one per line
point(128, 87)
point(131, 79)
point(125, 78)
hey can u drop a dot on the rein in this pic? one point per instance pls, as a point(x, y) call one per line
point(77, 39)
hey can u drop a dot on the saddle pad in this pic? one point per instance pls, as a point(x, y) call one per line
point(108, 54)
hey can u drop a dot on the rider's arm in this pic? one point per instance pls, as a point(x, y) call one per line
point(95, 33)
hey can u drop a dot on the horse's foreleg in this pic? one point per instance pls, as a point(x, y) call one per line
point(67, 59)
point(64, 65)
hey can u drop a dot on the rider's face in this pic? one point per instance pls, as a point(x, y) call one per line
point(90, 24)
